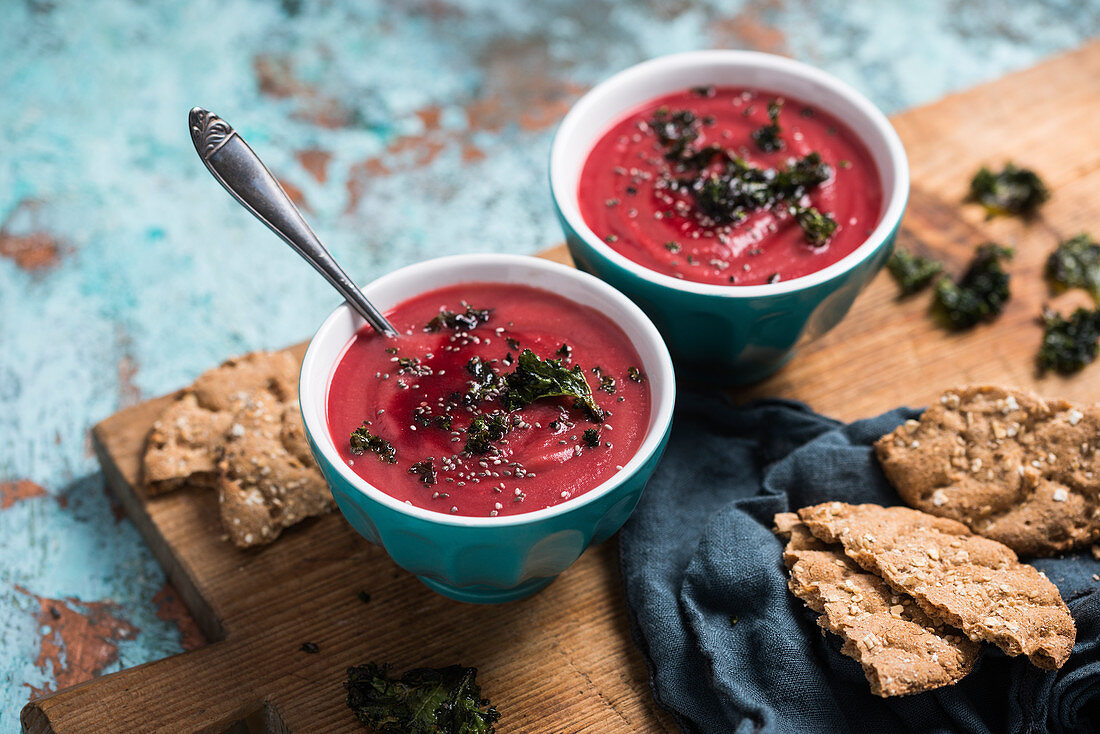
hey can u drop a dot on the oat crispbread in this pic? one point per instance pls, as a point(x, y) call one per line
point(902, 650)
point(961, 579)
point(1011, 466)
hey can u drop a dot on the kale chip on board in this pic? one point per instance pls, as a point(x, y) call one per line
point(422, 701)
point(1069, 344)
point(1013, 190)
point(1075, 264)
point(912, 272)
point(980, 294)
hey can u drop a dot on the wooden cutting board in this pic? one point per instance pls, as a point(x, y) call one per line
point(563, 661)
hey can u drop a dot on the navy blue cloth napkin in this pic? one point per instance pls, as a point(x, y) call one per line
point(730, 649)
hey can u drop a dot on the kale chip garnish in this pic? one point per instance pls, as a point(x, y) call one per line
point(422, 701)
point(485, 429)
point(534, 379)
point(484, 382)
point(1075, 264)
point(742, 188)
point(591, 437)
point(1014, 190)
point(471, 318)
point(767, 137)
point(362, 441)
point(911, 271)
point(982, 291)
point(676, 131)
point(425, 470)
point(1069, 344)
point(817, 228)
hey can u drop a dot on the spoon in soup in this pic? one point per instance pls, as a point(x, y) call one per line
point(236, 167)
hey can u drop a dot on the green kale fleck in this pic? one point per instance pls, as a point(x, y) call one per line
point(635, 374)
point(591, 437)
point(767, 137)
point(422, 701)
point(1075, 264)
point(564, 351)
point(703, 91)
point(676, 131)
point(982, 291)
point(362, 441)
point(391, 350)
point(471, 318)
point(912, 272)
point(425, 470)
point(817, 228)
point(673, 246)
point(607, 382)
point(1069, 344)
point(485, 429)
point(485, 382)
point(513, 343)
point(1014, 190)
point(443, 422)
point(535, 379)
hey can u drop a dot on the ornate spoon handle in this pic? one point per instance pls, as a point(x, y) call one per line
point(236, 167)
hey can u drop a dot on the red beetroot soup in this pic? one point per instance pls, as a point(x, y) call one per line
point(434, 407)
point(718, 195)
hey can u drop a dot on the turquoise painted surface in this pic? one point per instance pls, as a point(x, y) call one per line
point(125, 271)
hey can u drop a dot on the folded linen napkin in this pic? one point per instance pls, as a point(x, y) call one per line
point(730, 649)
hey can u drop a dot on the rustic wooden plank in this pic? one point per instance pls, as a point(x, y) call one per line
point(563, 660)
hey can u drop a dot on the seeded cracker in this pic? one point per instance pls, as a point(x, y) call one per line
point(186, 441)
point(1011, 466)
point(901, 649)
point(266, 485)
point(961, 579)
point(238, 429)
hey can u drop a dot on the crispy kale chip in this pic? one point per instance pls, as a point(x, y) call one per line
point(422, 701)
point(912, 272)
point(817, 228)
point(591, 437)
point(425, 469)
point(485, 429)
point(362, 441)
point(767, 137)
point(676, 131)
point(1069, 344)
point(535, 379)
point(1013, 190)
point(1075, 264)
point(471, 318)
point(982, 291)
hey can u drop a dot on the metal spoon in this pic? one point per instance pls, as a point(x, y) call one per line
point(245, 176)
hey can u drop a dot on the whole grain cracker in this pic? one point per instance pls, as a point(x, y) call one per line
point(1008, 464)
point(267, 484)
point(964, 580)
point(184, 446)
point(901, 649)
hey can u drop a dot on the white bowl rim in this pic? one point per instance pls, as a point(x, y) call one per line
point(889, 220)
point(313, 392)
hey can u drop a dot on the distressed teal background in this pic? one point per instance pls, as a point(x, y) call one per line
point(407, 129)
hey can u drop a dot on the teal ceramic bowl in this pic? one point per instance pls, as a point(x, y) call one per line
point(487, 559)
point(729, 334)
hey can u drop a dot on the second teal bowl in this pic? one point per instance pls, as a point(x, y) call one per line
point(717, 333)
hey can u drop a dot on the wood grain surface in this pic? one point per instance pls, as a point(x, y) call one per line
point(563, 661)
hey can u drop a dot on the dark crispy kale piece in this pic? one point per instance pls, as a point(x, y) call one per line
point(982, 291)
point(817, 228)
point(425, 470)
point(635, 374)
point(362, 441)
point(471, 318)
point(742, 188)
point(676, 131)
point(534, 379)
point(1069, 344)
point(767, 137)
point(422, 701)
point(912, 272)
point(1013, 190)
point(591, 437)
point(485, 429)
point(1075, 264)
point(484, 383)
point(607, 382)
